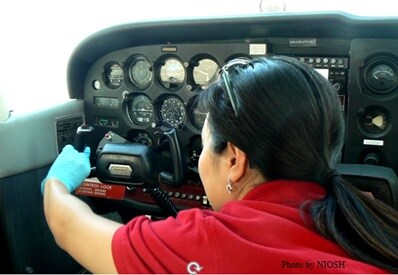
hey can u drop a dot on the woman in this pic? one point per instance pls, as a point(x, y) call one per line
point(273, 134)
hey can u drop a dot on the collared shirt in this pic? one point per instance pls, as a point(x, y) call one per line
point(265, 232)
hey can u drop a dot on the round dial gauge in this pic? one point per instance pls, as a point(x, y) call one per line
point(140, 72)
point(198, 116)
point(143, 138)
point(172, 73)
point(205, 72)
point(375, 121)
point(141, 110)
point(114, 76)
point(382, 77)
point(172, 112)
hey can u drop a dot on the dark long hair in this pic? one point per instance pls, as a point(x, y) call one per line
point(290, 124)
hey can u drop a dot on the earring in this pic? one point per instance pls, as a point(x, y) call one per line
point(229, 186)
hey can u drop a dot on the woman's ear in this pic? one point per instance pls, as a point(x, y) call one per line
point(238, 162)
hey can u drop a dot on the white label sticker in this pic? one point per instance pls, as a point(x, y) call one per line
point(373, 142)
point(258, 49)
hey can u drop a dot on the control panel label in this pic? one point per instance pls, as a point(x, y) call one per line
point(258, 49)
point(373, 142)
point(302, 42)
point(94, 188)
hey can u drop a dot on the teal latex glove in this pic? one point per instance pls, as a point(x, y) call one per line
point(71, 168)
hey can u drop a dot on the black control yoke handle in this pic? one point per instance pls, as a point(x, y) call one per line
point(177, 177)
point(82, 134)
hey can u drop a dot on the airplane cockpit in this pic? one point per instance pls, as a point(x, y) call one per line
point(133, 89)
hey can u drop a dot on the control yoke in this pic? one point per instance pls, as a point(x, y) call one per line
point(176, 156)
point(134, 164)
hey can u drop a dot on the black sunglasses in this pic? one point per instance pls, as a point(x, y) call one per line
point(227, 82)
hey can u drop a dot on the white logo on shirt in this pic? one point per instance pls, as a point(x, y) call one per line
point(194, 268)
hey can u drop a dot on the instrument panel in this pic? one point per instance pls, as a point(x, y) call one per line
point(140, 92)
point(140, 89)
point(153, 86)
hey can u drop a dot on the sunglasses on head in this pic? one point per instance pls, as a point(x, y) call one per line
point(227, 82)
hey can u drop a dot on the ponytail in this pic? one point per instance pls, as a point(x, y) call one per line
point(294, 118)
point(365, 227)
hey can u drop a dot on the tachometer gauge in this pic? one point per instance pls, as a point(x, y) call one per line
point(172, 112)
point(140, 72)
point(381, 77)
point(375, 121)
point(141, 110)
point(172, 73)
point(205, 72)
point(114, 76)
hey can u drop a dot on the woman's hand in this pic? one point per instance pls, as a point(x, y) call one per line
point(71, 168)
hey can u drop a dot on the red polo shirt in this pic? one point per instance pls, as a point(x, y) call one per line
point(263, 233)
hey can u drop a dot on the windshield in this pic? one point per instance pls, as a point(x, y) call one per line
point(39, 36)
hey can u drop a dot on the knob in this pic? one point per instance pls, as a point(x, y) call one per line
point(337, 86)
point(372, 158)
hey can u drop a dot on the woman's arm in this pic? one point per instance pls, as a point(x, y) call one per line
point(86, 236)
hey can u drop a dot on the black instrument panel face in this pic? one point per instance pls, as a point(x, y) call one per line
point(371, 135)
point(145, 82)
point(144, 89)
point(140, 91)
